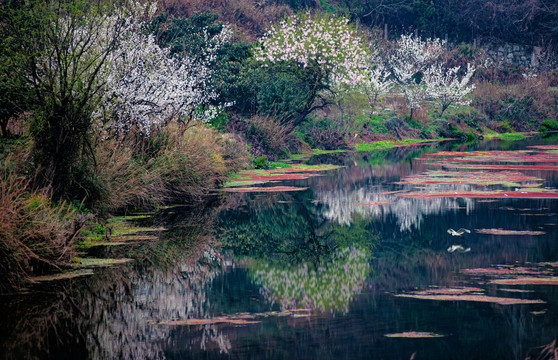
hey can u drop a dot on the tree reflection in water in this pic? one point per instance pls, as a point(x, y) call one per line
point(108, 315)
point(326, 286)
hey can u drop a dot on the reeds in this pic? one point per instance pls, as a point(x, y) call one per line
point(35, 234)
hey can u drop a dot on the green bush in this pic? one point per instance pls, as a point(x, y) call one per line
point(548, 126)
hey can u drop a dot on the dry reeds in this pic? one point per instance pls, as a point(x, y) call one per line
point(35, 234)
point(524, 104)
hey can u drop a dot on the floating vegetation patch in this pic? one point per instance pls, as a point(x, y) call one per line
point(497, 194)
point(523, 156)
point(236, 319)
point(63, 275)
point(496, 167)
point(474, 298)
point(265, 189)
point(508, 232)
point(516, 290)
point(295, 172)
point(389, 192)
point(502, 270)
point(414, 335)
point(483, 178)
point(527, 280)
point(465, 294)
point(375, 203)
point(96, 262)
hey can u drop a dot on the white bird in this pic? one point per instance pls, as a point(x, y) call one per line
point(458, 248)
point(459, 232)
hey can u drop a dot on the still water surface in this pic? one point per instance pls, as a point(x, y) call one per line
point(311, 274)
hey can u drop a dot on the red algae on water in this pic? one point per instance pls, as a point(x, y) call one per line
point(264, 189)
point(482, 194)
point(414, 335)
point(527, 280)
point(508, 232)
point(465, 294)
point(474, 298)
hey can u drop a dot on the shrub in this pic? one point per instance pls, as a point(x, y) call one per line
point(548, 125)
point(119, 178)
point(189, 162)
point(523, 104)
point(268, 137)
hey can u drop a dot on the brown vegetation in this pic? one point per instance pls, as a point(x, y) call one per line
point(251, 18)
point(36, 235)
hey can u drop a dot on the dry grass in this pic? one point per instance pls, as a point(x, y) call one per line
point(268, 137)
point(190, 161)
point(523, 105)
point(123, 180)
point(35, 234)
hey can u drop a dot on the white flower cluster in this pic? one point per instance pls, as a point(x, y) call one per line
point(417, 67)
point(326, 43)
point(146, 86)
point(138, 83)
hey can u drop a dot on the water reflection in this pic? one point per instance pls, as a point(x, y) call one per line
point(251, 255)
point(111, 315)
point(326, 286)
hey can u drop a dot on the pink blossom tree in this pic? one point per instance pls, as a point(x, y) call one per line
point(326, 51)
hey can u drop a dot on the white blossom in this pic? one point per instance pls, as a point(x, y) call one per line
point(446, 87)
point(146, 86)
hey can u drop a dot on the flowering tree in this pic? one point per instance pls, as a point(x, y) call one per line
point(146, 86)
point(445, 86)
point(411, 58)
point(327, 52)
point(62, 48)
point(376, 81)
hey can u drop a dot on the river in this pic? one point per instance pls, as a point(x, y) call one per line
point(360, 264)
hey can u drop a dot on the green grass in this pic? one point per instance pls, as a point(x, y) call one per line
point(388, 144)
point(321, 152)
point(506, 136)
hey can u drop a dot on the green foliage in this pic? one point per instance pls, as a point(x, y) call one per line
point(548, 125)
point(185, 35)
point(261, 163)
point(60, 58)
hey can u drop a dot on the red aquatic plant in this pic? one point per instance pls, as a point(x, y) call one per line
point(502, 271)
point(414, 335)
point(508, 232)
point(265, 189)
point(475, 298)
point(468, 177)
point(464, 294)
point(482, 194)
point(375, 203)
point(527, 280)
point(495, 167)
